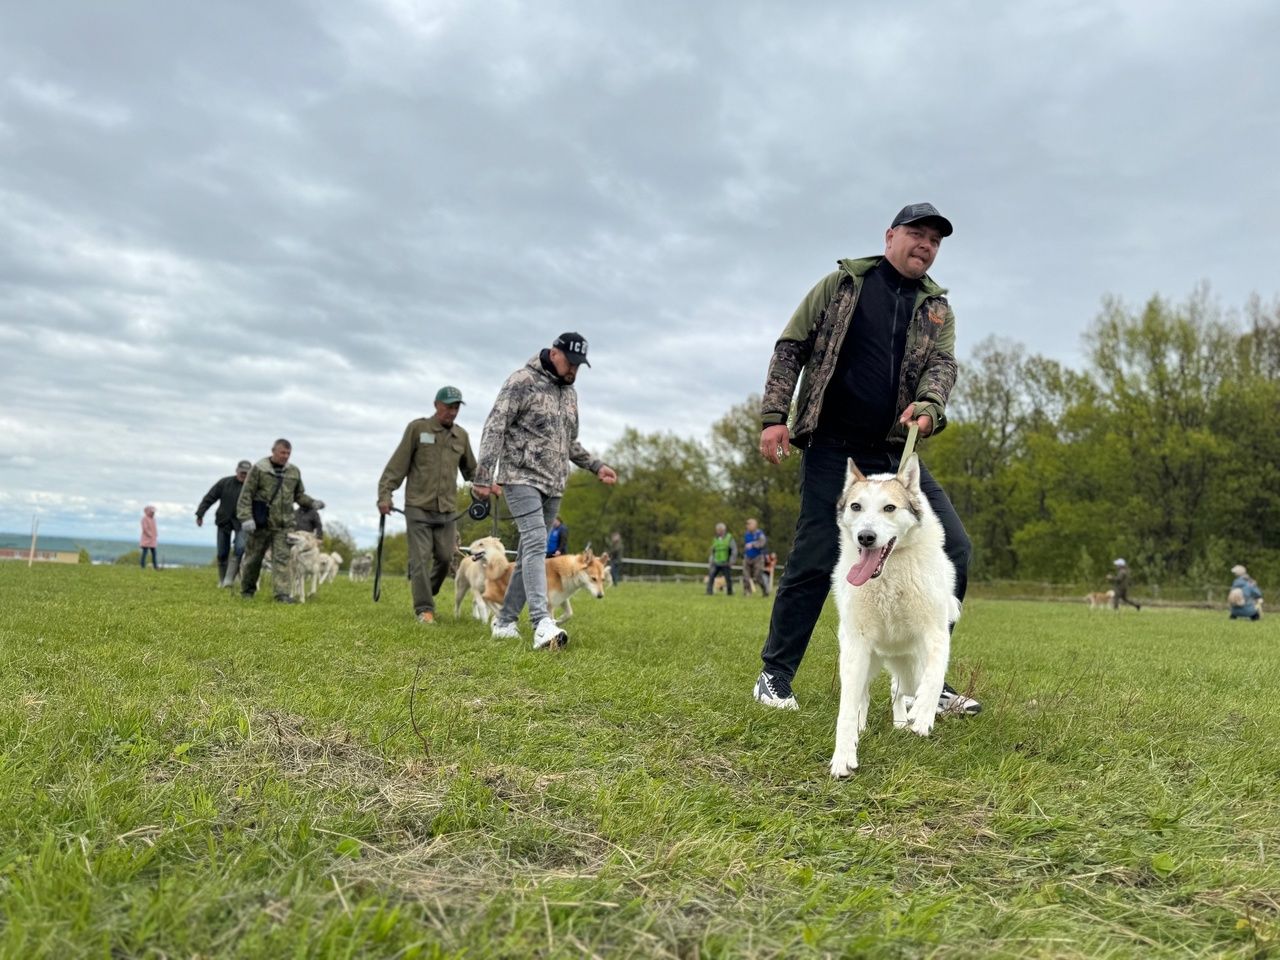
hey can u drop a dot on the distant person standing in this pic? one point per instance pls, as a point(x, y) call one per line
point(307, 519)
point(148, 540)
point(225, 493)
point(615, 557)
point(431, 454)
point(529, 440)
point(557, 539)
point(1244, 598)
point(1120, 584)
point(753, 553)
point(265, 512)
point(724, 551)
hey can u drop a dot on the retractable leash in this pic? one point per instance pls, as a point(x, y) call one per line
point(377, 570)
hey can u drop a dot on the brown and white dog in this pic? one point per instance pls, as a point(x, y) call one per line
point(569, 573)
point(486, 572)
point(1096, 600)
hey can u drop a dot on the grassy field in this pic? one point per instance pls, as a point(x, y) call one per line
point(185, 774)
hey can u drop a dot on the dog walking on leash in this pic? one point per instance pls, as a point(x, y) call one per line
point(533, 425)
point(894, 593)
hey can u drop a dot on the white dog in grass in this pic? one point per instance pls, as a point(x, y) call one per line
point(893, 586)
point(332, 564)
point(305, 561)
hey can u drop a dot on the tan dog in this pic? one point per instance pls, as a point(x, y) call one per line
point(1096, 600)
point(568, 574)
point(486, 572)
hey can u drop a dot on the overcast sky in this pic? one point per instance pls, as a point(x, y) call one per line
point(225, 222)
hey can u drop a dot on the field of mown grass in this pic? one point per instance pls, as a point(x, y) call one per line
point(185, 774)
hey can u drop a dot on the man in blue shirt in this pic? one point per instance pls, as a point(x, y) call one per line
point(557, 539)
point(753, 542)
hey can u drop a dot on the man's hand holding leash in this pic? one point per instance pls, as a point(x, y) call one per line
point(924, 422)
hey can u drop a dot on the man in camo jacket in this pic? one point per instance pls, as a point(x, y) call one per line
point(529, 440)
point(872, 346)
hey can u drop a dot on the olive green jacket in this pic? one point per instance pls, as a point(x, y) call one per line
point(810, 345)
point(261, 485)
point(430, 456)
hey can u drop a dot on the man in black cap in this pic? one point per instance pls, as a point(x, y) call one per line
point(225, 493)
point(431, 454)
point(533, 424)
point(873, 349)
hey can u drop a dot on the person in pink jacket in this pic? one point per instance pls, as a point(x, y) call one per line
point(148, 539)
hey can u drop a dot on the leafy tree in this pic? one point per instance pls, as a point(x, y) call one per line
point(754, 487)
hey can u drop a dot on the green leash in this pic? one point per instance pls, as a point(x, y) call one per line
point(910, 448)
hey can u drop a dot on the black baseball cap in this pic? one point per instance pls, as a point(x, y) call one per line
point(573, 346)
point(915, 212)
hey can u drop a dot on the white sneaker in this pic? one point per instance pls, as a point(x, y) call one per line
point(775, 692)
point(951, 703)
point(505, 631)
point(549, 634)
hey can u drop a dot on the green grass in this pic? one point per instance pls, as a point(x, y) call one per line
point(184, 774)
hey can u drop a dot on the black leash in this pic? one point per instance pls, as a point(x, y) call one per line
point(377, 570)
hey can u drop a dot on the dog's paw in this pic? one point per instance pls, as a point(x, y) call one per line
point(922, 725)
point(843, 765)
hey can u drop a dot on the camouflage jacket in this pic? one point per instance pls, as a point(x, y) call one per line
point(429, 457)
point(531, 434)
point(810, 344)
point(261, 485)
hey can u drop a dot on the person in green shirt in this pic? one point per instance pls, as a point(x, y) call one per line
point(724, 552)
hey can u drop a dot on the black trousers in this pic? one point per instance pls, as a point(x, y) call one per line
point(807, 578)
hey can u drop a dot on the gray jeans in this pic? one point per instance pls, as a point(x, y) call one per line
point(533, 512)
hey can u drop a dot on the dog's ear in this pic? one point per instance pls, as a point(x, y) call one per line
point(909, 474)
point(853, 474)
point(587, 555)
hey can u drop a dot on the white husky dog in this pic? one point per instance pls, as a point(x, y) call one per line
point(893, 587)
point(305, 561)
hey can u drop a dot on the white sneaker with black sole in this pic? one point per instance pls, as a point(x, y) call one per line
point(505, 631)
point(951, 703)
point(549, 634)
point(775, 692)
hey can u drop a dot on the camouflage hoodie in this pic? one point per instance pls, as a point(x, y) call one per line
point(531, 434)
point(810, 344)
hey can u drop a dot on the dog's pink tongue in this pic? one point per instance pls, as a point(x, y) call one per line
point(861, 571)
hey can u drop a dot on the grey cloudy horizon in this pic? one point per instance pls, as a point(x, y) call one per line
point(223, 223)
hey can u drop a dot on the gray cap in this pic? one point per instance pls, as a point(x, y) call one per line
point(244, 465)
point(915, 212)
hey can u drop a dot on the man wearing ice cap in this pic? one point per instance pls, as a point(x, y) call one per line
point(872, 348)
point(528, 442)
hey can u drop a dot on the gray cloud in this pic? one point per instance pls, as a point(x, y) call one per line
point(227, 223)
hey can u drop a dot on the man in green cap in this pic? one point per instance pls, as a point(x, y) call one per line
point(431, 453)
